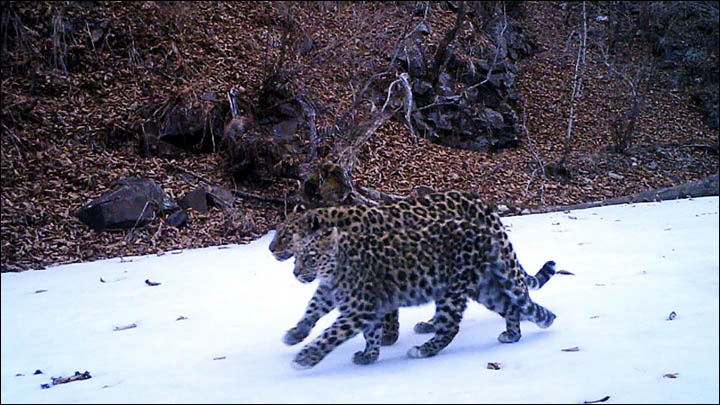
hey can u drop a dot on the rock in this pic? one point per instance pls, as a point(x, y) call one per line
point(421, 87)
point(133, 202)
point(615, 176)
point(423, 29)
point(439, 121)
point(192, 128)
point(196, 199)
point(494, 118)
point(414, 63)
point(446, 85)
point(221, 197)
point(285, 129)
point(178, 219)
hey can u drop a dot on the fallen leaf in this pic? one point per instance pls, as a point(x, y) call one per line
point(219, 358)
point(671, 316)
point(564, 272)
point(571, 349)
point(670, 375)
point(151, 283)
point(132, 325)
point(39, 291)
point(493, 366)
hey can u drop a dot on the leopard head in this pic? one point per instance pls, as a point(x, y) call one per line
point(300, 224)
point(317, 255)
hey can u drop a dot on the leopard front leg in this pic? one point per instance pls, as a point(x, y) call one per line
point(448, 314)
point(390, 328)
point(373, 333)
point(341, 330)
point(512, 329)
point(320, 304)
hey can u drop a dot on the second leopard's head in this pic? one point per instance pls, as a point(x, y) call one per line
point(317, 255)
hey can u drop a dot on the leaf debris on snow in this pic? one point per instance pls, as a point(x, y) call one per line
point(493, 366)
point(75, 377)
point(151, 283)
point(603, 399)
point(132, 325)
point(571, 349)
point(671, 316)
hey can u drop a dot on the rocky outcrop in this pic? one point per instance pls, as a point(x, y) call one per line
point(134, 202)
point(471, 105)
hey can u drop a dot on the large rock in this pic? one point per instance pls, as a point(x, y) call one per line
point(133, 202)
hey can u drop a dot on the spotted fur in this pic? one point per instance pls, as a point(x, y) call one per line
point(368, 275)
point(414, 212)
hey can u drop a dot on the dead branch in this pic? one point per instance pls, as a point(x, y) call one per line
point(442, 51)
point(577, 87)
point(541, 166)
point(708, 186)
point(498, 42)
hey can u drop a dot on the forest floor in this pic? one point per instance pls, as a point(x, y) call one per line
point(69, 102)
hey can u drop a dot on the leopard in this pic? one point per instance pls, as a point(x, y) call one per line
point(369, 275)
point(416, 211)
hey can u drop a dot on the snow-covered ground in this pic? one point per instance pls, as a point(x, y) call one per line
point(633, 265)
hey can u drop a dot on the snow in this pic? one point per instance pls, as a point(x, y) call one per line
point(633, 265)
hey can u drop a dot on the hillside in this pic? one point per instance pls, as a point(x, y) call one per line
point(81, 80)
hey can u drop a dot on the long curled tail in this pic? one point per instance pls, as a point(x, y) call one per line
point(541, 277)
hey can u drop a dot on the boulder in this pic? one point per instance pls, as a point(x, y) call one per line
point(220, 197)
point(133, 202)
point(196, 199)
point(177, 219)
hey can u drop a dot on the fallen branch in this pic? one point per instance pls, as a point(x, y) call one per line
point(701, 188)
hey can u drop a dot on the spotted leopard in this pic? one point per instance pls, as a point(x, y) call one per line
point(419, 211)
point(368, 275)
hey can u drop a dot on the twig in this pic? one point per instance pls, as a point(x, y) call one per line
point(497, 51)
point(577, 86)
point(537, 158)
point(191, 173)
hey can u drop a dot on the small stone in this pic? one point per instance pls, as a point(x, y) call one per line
point(177, 219)
point(38, 371)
